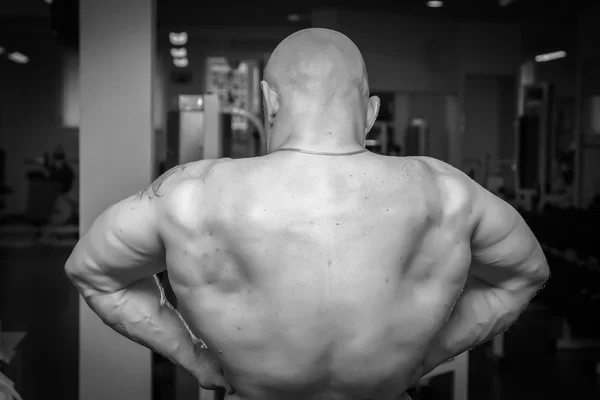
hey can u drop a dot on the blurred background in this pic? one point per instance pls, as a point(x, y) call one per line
point(506, 90)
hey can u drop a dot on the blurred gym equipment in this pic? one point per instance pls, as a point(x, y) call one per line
point(553, 127)
point(381, 137)
point(573, 293)
point(206, 131)
point(546, 145)
point(549, 148)
point(535, 145)
point(52, 209)
point(417, 138)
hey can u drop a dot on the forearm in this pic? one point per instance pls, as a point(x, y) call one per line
point(480, 313)
point(136, 313)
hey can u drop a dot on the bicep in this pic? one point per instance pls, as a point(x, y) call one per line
point(122, 246)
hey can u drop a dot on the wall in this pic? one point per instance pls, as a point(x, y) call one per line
point(39, 109)
point(490, 112)
point(414, 54)
point(24, 8)
point(405, 54)
point(481, 115)
point(561, 73)
point(589, 85)
point(551, 35)
point(490, 48)
point(417, 54)
point(30, 112)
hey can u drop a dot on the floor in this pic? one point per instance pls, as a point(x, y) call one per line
point(36, 296)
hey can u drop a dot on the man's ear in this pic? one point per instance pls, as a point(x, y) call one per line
point(270, 101)
point(372, 112)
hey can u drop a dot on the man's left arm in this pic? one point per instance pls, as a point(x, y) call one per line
point(113, 267)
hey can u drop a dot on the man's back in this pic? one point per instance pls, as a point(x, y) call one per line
point(311, 276)
point(317, 277)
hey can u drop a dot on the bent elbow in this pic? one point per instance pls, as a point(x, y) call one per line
point(75, 275)
point(536, 280)
point(536, 267)
point(78, 270)
point(71, 269)
point(543, 274)
point(542, 270)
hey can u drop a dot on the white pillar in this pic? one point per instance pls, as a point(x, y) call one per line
point(116, 156)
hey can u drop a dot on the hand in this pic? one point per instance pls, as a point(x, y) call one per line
point(208, 371)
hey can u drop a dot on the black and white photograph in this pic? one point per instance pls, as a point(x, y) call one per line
point(310, 200)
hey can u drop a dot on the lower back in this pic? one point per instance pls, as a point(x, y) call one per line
point(280, 348)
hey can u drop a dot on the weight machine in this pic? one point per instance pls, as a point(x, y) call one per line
point(205, 130)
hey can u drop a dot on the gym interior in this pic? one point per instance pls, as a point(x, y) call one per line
point(97, 98)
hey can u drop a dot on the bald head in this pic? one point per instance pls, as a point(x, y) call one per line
point(316, 92)
point(320, 63)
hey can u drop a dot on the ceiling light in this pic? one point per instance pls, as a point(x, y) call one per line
point(178, 39)
point(435, 3)
point(181, 62)
point(293, 17)
point(48, 1)
point(179, 52)
point(19, 58)
point(550, 56)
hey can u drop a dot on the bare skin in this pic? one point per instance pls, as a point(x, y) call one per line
point(311, 277)
point(321, 282)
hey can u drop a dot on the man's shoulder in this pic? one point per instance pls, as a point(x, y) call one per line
point(187, 181)
point(201, 170)
point(432, 166)
point(438, 170)
point(184, 191)
point(456, 190)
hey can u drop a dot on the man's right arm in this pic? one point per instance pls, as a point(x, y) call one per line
point(508, 268)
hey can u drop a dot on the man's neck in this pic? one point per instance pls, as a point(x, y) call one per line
point(329, 146)
point(341, 138)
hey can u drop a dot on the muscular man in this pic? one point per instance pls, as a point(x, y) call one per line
point(318, 271)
